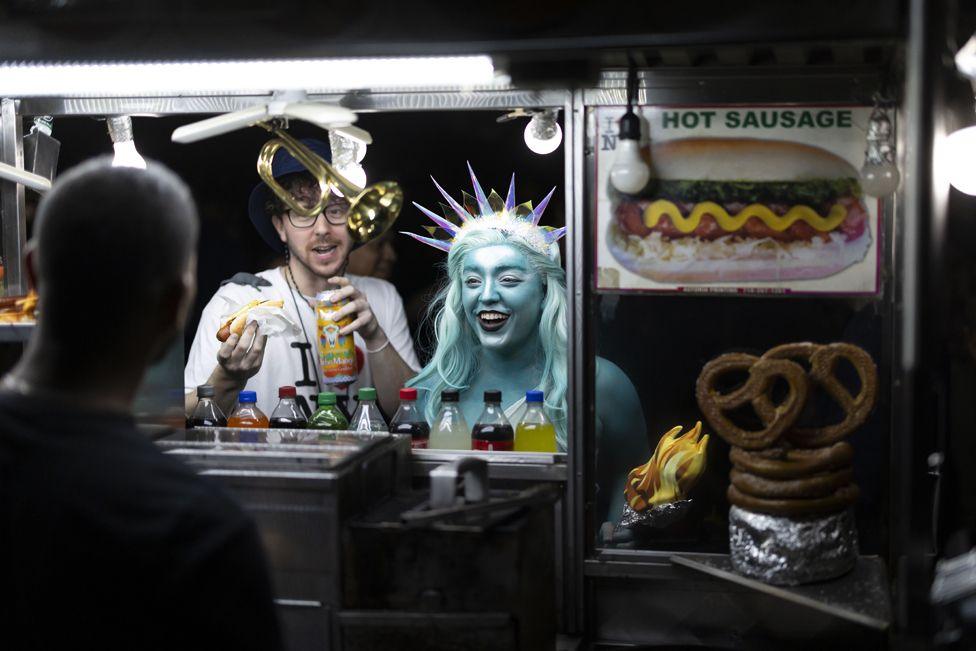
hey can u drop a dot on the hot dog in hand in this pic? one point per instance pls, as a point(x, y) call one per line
point(234, 324)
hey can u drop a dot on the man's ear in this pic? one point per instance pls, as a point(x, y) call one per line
point(279, 225)
point(176, 299)
point(30, 264)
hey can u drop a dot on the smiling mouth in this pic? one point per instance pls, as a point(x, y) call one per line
point(491, 321)
point(324, 249)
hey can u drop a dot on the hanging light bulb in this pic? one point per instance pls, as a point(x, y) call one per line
point(120, 130)
point(354, 173)
point(629, 173)
point(959, 151)
point(543, 134)
point(879, 174)
point(346, 155)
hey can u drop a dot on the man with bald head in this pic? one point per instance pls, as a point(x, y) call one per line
point(105, 542)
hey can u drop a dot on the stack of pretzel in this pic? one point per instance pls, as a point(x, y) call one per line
point(784, 469)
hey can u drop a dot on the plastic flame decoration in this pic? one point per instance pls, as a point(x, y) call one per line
point(16, 309)
point(675, 466)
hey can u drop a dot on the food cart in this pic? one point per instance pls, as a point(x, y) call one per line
point(670, 583)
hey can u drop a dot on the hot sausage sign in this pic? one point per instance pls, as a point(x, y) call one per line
point(743, 199)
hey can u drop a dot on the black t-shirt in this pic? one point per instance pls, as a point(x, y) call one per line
point(106, 543)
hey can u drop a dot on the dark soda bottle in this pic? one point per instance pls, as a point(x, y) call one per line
point(492, 431)
point(206, 413)
point(409, 420)
point(288, 415)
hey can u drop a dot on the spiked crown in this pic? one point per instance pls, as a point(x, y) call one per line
point(489, 212)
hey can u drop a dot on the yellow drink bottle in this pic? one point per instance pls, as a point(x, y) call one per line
point(535, 432)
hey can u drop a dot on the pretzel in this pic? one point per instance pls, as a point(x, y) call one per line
point(780, 463)
point(823, 363)
point(839, 500)
point(762, 374)
point(819, 485)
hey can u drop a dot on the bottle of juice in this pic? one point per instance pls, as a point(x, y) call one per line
point(247, 414)
point(409, 420)
point(288, 415)
point(535, 432)
point(367, 417)
point(492, 431)
point(337, 353)
point(450, 431)
point(205, 414)
point(327, 416)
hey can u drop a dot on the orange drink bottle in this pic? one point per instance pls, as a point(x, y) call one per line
point(246, 414)
point(337, 353)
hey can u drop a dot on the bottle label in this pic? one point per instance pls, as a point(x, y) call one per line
point(492, 446)
point(337, 353)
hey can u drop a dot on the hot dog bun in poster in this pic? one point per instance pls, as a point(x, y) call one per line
point(739, 209)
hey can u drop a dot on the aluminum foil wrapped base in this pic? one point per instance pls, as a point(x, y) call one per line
point(791, 551)
point(655, 517)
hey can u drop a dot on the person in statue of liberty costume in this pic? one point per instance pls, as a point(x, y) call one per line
point(500, 321)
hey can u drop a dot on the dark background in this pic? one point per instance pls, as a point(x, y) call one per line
point(408, 147)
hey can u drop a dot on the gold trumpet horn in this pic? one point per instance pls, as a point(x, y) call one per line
point(371, 210)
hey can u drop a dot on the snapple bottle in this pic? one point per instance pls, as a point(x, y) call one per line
point(337, 353)
point(492, 431)
point(246, 414)
point(409, 420)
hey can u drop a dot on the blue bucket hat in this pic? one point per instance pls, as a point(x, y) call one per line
point(282, 164)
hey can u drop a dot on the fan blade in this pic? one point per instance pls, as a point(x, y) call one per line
point(27, 179)
point(327, 116)
point(220, 124)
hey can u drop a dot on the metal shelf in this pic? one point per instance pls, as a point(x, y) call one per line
point(531, 466)
point(860, 596)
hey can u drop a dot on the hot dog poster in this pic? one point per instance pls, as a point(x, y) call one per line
point(741, 199)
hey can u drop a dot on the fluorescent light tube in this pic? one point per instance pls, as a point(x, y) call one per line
point(246, 77)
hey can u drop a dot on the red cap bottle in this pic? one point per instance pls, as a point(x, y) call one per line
point(409, 420)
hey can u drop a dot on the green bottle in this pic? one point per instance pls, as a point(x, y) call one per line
point(327, 416)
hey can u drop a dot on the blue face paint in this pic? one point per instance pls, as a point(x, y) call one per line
point(502, 298)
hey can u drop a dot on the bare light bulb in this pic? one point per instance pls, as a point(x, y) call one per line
point(879, 179)
point(629, 173)
point(879, 174)
point(127, 156)
point(959, 150)
point(543, 135)
point(120, 130)
point(354, 173)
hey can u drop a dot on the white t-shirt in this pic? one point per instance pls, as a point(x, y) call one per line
point(295, 360)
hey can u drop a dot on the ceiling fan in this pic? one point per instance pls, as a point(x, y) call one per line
point(282, 107)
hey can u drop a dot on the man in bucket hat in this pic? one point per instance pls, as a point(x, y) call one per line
point(316, 251)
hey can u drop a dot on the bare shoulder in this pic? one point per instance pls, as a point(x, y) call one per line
point(610, 377)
